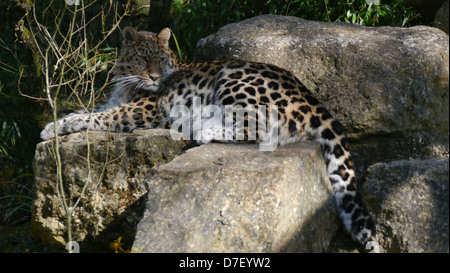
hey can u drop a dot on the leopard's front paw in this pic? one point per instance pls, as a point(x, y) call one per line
point(70, 124)
point(48, 132)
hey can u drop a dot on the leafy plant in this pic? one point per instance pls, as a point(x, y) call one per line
point(71, 63)
point(16, 139)
point(16, 200)
point(195, 19)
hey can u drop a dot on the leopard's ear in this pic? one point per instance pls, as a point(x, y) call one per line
point(164, 36)
point(130, 36)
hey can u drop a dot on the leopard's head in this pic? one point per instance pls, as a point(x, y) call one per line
point(145, 58)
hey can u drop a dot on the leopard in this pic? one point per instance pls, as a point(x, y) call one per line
point(150, 81)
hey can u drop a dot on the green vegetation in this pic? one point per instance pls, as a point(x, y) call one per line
point(193, 20)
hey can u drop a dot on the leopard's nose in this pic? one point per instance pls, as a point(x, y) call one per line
point(153, 77)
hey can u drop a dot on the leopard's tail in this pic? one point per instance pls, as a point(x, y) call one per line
point(341, 174)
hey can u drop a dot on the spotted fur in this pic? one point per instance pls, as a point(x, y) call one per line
point(149, 81)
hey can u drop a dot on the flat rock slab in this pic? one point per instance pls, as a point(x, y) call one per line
point(104, 179)
point(235, 198)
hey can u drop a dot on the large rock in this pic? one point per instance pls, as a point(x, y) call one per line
point(111, 205)
point(235, 198)
point(409, 202)
point(388, 86)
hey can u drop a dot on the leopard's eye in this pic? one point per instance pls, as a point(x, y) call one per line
point(143, 58)
point(149, 59)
